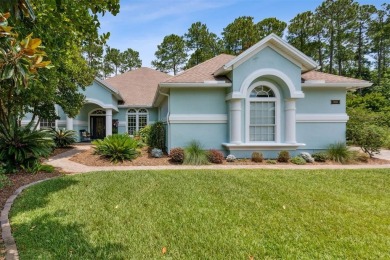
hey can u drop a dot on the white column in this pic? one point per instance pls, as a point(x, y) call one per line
point(290, 121)
point(36, 123)
point(235, 121)
point(69, 123)
point(108, 121)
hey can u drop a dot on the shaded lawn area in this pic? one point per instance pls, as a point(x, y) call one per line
point(206, 214)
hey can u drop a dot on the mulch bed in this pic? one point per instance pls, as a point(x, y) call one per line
point(88, 158)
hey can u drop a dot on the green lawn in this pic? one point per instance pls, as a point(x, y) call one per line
point(207, 214)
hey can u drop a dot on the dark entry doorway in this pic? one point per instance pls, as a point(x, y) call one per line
point(98, 127)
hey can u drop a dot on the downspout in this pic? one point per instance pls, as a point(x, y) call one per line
point(168, 124)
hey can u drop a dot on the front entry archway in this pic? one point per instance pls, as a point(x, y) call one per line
point(97, 124)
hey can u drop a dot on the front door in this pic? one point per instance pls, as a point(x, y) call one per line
point(98, 127)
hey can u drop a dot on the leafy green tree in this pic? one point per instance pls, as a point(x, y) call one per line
point(271, 25)
point(64, 27)
point(130, 60)
point(240, 35)
point(202, 43)
point(93, 53)
point(338, 17)
point(171, 54)
point(112, 60)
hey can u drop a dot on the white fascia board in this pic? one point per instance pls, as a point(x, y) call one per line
point(271, 39)
point(135, 106)
point(195, 85)
point(337, 85)
point(322, 118)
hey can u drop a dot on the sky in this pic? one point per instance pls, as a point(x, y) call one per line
point(143, 24)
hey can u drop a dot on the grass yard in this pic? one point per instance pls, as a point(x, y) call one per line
point(207, 214)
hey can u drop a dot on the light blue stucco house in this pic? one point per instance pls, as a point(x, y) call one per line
point(269, 98)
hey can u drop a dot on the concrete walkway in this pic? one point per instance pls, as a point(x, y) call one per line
point(62, 161)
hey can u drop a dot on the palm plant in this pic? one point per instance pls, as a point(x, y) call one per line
point(63, 138)
point(117, 147)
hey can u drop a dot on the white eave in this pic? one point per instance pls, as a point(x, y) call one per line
point(272, 40)
point(206, 84)
point(337, 85)
point(113, 90)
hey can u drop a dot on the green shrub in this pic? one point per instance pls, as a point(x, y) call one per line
point(257, 157)
point(271, 161)
point(194, 154)
point(177, 155)
point(4, 181)
point(64, 138)
point(118, 147)
point(386, 142)
point(144, 134)
point(320, 156)
point(283, 156)
point(215, 156)
point(35, 167)
point(339, 152)
point(370, 138)
point(23, 146)
point(298, 160)
point(156, 137)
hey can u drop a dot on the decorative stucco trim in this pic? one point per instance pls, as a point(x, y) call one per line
point(274, 72)
point(61, 122)
point(135, 106)
point(198, 119)
point(322, 118)
point(122, 123)
point(101, 104)
point(262, 146)
point(215, 84)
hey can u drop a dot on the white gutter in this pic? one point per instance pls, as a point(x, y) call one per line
point(168, 125)
point(195, 85)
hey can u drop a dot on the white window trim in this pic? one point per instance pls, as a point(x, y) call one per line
point(137, 114)
point(276, 99)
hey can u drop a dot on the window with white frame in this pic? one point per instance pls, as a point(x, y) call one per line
point(136, 120)
point(46, 123)
point(262, 114)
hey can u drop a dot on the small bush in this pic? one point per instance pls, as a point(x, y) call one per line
point(4, 181)
point(156, 153)
point(215, 156)
point(283, 156)
point(308, 158)
point(35, 167)
point(339, 152)
point(144, 134)
point(370, 138)
point(156, 137)
point(63, 138)
point(177, 155)
point(298, 160)
point(257, 157)
point(360, 157)
point(271, 161)
point(117, 147)
point(231, 158)
point(194, 154)
point(320, 157)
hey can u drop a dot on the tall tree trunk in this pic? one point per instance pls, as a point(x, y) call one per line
point(360, 52)
point(331, 51)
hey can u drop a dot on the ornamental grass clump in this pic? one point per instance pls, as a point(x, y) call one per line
point(215, 156)
point(194, 154)
point(298, 160)
point(339, 152)
point(117, 147)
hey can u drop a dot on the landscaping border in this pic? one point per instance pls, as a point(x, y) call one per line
point(11, 251)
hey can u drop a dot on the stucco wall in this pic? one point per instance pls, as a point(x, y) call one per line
point(319, 101)
point(98, 92)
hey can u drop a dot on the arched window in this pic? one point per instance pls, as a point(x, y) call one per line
point(98, 112)
point(136, 120)
point(263, 116)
